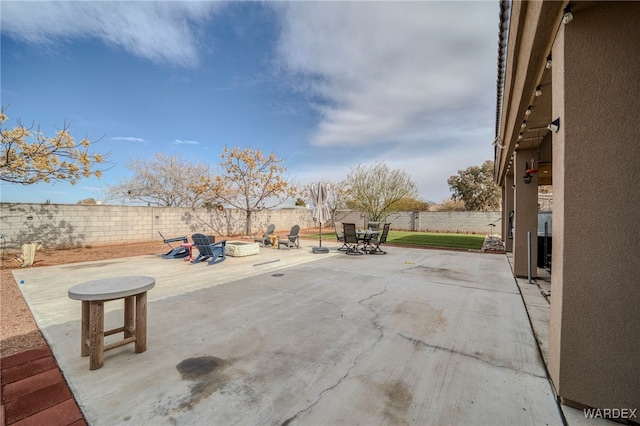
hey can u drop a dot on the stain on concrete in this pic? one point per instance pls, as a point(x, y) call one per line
point(451, 274)
point(398, 401)
point(193, 368)
point(207, 375)
point(416, 318)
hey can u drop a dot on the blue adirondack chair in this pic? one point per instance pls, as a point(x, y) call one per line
point(175, 252)
point(214, 252)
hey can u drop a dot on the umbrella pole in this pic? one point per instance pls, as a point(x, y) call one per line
point(320, 234)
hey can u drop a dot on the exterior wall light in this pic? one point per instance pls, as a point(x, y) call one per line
point(554, 126)
point(548, 64)
point(538, 91)
point(527, 178)
point(567, 16)
point(528, 111)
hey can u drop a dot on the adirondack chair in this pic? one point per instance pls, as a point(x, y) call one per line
point(266, 237)
point(215, 252)
point(292, 239)
point(175, 252)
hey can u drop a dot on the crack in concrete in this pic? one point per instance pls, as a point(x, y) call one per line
point(471, 287)
point(354, 362)
point(292, 293)
point(453, 351)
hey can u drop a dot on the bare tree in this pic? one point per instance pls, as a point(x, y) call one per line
point(376, 189)
point(249, 181)
point(164, 181)
point(27, 156)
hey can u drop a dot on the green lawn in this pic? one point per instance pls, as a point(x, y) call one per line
point(425, 239)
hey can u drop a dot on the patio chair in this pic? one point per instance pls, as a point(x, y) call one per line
point(351, 239)
point(340, 236)
point(292, 240)
point(175, 252)
point(266, 237)
point(380, 239)
point(215, 252)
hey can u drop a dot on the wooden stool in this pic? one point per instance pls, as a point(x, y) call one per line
point(93, 294)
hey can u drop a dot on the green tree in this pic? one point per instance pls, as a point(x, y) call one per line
point(88, 202)
point(249, 181)
point(449, 205)
point(411, 205)
point(375, 190)
point(163, 181)
point(301, 203)
point(475, 186)
point(27, 156)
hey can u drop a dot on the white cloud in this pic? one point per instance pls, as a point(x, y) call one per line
point(392, 71)
point(163, 32)
point(128, 139)
point(410, 84)
point(187, 142)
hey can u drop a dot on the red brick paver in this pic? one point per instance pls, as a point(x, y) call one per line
point(34, 391)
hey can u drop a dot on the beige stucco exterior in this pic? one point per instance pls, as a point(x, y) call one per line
point(593, 87)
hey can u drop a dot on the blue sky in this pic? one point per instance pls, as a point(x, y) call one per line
point(327, 85)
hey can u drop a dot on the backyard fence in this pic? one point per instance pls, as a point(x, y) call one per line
point(72, 225)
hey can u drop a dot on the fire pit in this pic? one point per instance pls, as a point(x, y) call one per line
point(241, 248)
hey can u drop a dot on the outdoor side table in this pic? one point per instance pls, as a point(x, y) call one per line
point(93, 294)
point(188, 246)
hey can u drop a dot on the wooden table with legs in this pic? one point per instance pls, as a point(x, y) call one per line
point(93, 294)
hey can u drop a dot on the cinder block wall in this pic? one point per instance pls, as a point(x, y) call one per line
point(72, 225)
point(462, 222)
point(62, 225)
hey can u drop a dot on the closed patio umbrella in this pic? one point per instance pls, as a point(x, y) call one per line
point(320, 210)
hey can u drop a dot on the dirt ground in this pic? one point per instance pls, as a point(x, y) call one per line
point(18, 329)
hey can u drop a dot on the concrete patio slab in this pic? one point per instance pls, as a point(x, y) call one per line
point(290, 337)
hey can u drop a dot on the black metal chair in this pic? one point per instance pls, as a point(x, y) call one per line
point(380, 239)
point(215, 252)
point(351, 239)
point(340, 236)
